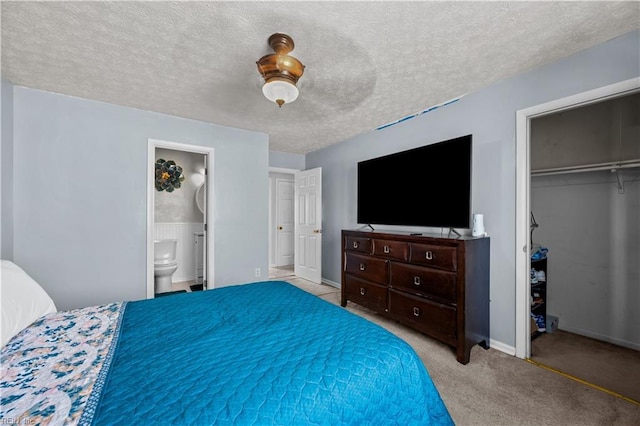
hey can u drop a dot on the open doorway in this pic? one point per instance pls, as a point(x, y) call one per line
point(179, 213)
point(585, 194)
point(295, 224)
point(281, 223)
point(553, 257)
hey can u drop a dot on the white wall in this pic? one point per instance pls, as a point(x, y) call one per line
point(489, 115)
point(179, 206)
point(597, 133)
point(286, 160)
point(593, 236)
point(80, 193)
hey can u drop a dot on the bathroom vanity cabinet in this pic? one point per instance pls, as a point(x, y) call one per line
point(199, 263)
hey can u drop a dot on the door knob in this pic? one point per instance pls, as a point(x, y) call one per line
point(317, 231)
point(279, 228)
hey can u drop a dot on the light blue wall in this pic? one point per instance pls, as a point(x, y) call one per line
point(489, 114)
point(286, 160)
point(80, 195)
point(6, 173)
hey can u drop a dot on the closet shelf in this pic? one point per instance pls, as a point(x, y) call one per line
point(613, 166)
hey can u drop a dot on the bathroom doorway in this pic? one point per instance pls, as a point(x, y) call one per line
point(179, 217)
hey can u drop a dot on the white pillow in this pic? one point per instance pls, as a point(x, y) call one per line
point(23, 301)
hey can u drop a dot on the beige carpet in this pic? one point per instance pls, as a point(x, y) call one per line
point(281, 272)
point(609, 366)
point(498, 389)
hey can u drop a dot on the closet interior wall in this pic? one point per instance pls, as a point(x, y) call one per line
point(589, 219)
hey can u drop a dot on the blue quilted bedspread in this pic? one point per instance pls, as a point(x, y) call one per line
point(263, 353)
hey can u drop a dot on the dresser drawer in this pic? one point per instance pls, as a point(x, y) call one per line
point(390, 249)
point(358, 244)
point(432, 318)
point(367, 267)
point(420, 279)
point(441, 257)
point(366, 293)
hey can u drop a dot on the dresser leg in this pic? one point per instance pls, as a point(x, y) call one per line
point(463, 352)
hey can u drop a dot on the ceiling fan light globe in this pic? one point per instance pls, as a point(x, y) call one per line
point(280, 92)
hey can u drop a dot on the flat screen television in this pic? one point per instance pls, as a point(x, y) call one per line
point(428, 186)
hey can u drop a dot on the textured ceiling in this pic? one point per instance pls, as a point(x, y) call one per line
point(367, 63)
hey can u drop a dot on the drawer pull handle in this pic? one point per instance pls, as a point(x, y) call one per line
point(416, 280)
point(429, 255)
point(363, 291)
point(363, 266)
point(386, 249)
point(356, 244)
point(416, 311)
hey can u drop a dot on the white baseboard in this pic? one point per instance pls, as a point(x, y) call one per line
point(602, 337)
point(331, 283)
point(502, 347)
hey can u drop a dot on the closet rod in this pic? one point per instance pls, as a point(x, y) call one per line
point(627, 164)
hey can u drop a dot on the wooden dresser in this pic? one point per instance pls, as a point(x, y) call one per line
point(436, 285)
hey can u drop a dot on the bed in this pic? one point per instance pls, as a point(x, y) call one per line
point(261, 353)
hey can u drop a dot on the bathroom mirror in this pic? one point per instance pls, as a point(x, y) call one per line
point(200, 197)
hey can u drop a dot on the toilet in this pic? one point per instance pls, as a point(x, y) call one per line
point(164, 264)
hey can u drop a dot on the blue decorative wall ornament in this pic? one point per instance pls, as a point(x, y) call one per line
point(384, 126)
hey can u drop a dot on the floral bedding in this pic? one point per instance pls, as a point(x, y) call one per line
point(50, 369)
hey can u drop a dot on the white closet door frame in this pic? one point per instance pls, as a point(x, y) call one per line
point(523, 188)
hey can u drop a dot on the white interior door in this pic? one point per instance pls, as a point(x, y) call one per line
point(284, 222)
point(308, 225)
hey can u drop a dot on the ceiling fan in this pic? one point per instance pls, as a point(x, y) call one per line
point(280, 71)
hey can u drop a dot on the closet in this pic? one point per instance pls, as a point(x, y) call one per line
point(585, 198)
